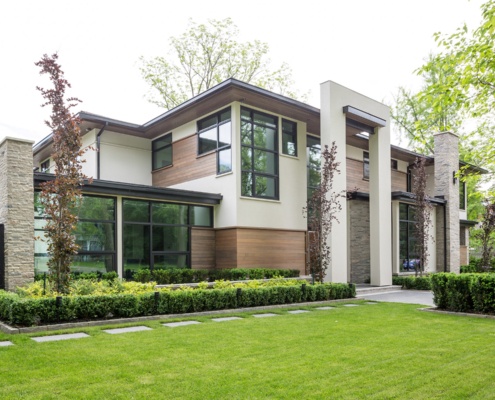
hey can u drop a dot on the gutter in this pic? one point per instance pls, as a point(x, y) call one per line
point(98, 148)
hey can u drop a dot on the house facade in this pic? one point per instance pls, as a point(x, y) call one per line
point(221, 182)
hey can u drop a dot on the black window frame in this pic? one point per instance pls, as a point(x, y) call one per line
point(155, 149)
point(316, 145)
point(366, 165)
point(406, 263)
point(218, 148)
point(291, 134)
point(45, 166)
point(254, 148)
point(462, 195)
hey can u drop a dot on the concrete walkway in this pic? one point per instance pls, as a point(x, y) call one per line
point(423, 297)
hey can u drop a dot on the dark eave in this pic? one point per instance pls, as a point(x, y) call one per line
point(468, 222)
point(141, 191)
point(407, 196)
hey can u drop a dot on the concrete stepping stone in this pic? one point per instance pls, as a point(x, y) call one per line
point(6, 343)
point(324, 308)
point(351, 305)
point(297, 311)
point(264, 315)
point(222, 319)
point(181, 323)
point(116, 331)
point(55, 338)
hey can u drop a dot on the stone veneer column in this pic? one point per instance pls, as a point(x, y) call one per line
point(446, 164)
point(16, 210)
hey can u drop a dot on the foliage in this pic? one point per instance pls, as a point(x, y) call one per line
point(413, 282)
point(26, 311)
point(486, 232)
point(59, 196)
point(423, 208)
point(205, 55)
point(321, 210)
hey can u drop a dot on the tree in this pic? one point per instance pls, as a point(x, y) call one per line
point(321, 208)
point(205, 55)
point(422, 214)
point(485, 233)
point(60, 195)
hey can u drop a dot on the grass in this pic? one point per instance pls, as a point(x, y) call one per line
point(383, 351)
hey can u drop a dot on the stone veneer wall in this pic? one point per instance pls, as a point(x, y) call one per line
point(16, 211)
point(446, 164)
point(359, 236)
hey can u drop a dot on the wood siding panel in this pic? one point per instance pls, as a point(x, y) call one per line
point(226, 248)
point(271, 249)
point(464, 255)
point(186, 165)
point(355, 178)
point(202, 248)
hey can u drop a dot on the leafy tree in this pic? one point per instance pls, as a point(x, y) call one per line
point(485, 233)
point(205, 55)
point(60, 195)
point(422, 214)
point(320, 210)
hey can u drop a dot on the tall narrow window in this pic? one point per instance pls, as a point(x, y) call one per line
point(162, 151)
point(313, 150)
point(409, 257)
point(289, 138)
point(215, 134)
point(366, 165)
point(259, 154)
point(462, 195)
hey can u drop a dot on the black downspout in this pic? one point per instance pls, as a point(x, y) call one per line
point(444, 238)
point(98, 144)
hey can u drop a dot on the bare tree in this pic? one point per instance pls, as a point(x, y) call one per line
point(423, 209)
point(321, 208)
point(59, 196)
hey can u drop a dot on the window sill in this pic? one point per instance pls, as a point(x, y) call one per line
point(261, 199)
point(162, 168)
point(224, 174)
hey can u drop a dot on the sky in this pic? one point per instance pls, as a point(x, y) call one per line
point(370, 46)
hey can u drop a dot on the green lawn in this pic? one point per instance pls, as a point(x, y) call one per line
point(383, 351)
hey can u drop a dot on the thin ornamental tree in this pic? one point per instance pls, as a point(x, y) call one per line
point(321, 210)
point(485, 234)
point(422, 207)
point(60, 195)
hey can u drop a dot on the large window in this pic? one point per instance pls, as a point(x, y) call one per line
point(215, 134)
point(95, 235)
point(162, 151)
point(289, 138)
point(462, 195)
point(313, 153)
point(259, 154)
point(409, 256)
point(157, 235)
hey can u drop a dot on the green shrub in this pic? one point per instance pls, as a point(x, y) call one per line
point(413, 282)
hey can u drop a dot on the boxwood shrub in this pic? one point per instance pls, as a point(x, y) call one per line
point(413, 282)
point(35, 311)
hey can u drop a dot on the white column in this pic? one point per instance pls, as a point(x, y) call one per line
point(333, 129)
point(380, 208)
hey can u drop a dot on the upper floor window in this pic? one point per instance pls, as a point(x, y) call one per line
point(313, 150)
point(45, 166)
point(215, 134)
point(462, 195)
point(366, 165)
point(162, 151)
point(259, 154)
point(289, 138)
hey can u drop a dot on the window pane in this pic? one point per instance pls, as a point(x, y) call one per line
point(246, 184)
point(170, 261)
point(136, 246)
point(87, 263)
point(224, 160)
point(206, 123)
point(224, 116)
point(136, 211)
point(91, 236)
point(98, 208)
point(265, 186)
point(162, 158)
point(246, 158)
point(313, 178)
point(201, 216)
point(288, 145)
point(164, 213)
point(403, 211)
point(266, 120)
point(208, 140)
point(170, 238)
point(245, 114)
point(265, 138)
point(162, 142)
point(265, 162)
point(246, 133)
point(224, 135)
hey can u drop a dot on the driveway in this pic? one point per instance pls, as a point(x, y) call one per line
point(424, 297)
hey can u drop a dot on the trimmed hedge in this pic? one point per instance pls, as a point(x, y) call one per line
point(413, 282)
point(186, 275)
point(35, 311)
point(464, 293)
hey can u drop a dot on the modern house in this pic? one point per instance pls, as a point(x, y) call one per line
point(221, 181)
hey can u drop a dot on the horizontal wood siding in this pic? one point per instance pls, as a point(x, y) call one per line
point(202, 248)
point(186, 165)
point(355, 178)
point(271, 249)
point(226, 248)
